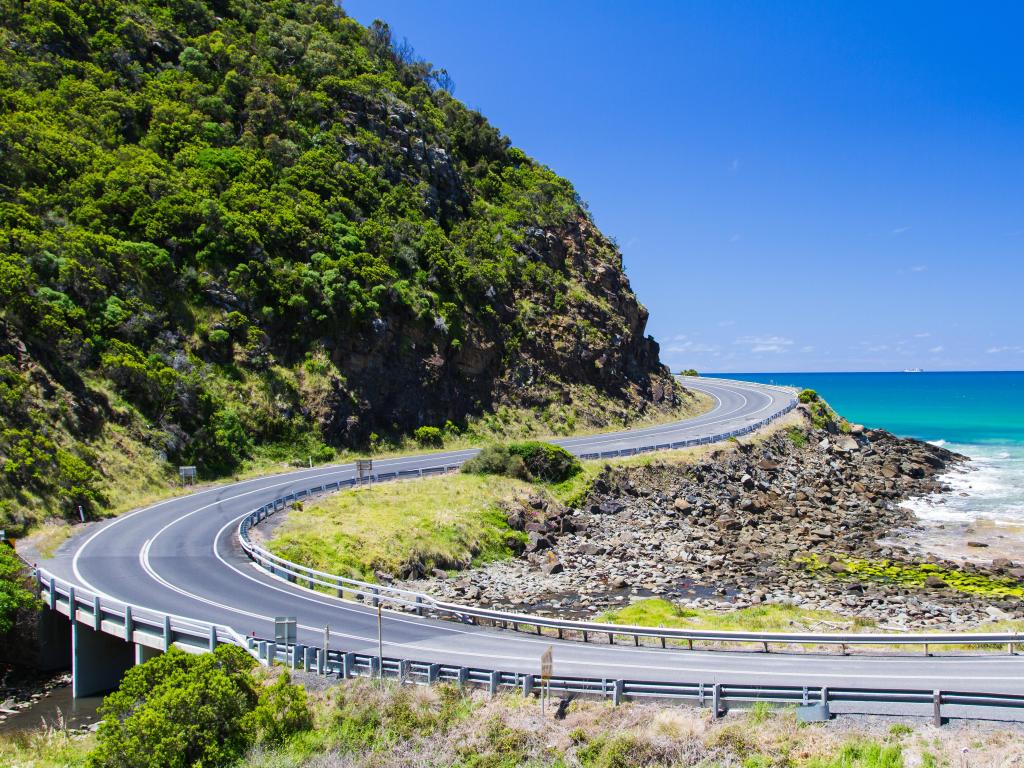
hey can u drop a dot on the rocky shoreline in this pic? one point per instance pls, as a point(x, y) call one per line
point(736, 528)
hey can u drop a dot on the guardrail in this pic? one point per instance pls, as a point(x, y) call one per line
point(692, 442)
point(716, 695)
point(131, 623)
point(160, 631)
point(423, 604)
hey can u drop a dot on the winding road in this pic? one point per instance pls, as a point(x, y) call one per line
point(181, 557)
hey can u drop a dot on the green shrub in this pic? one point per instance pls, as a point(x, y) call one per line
point(527, 461)
point(808, 396)
point(495, 459)
point(14, 593)
point(689, 372)
point(180, 710)
point(429, 437)
point(546, 462)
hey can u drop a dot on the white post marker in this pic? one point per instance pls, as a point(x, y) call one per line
point(380, 642)
point(546, 665)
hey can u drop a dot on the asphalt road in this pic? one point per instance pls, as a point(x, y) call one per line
point(181, 557)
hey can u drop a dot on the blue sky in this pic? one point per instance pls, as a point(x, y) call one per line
point(795, 186)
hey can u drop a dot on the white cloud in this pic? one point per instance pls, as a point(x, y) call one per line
point(936, 350)
point(900, 230)
point(1003, 350)
point(692, 347)
point(923, 335)
point(735, 238)
point(734, 166)
point(765, 343)
point(919, 268)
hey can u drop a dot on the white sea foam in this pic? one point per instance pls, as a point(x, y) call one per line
point(990, 487)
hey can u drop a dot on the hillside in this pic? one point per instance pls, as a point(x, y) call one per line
point(244, 228)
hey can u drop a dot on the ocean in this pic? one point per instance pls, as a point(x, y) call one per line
point(980, 414)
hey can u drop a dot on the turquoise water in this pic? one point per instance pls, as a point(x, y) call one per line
point(980, 414)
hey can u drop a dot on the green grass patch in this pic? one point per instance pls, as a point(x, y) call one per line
point(444, 522)
point(767, 618)
point(915, 576)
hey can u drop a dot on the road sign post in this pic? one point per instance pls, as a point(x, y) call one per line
point(187, 475)
point(285, 632)
point(364, 468)
point(546, 666)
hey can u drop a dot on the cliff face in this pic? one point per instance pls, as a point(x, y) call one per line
point(232, 225)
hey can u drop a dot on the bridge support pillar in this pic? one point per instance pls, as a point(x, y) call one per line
point(97, 661)
point(144, 653)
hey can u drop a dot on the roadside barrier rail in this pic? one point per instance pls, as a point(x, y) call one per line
point(161, 631)
point(142, 626)
point(422, 604)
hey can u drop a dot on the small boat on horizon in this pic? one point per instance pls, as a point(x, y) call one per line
point(913, 370)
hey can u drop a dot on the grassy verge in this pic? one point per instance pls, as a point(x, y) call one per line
point(759, 618)
point(444, 522)
point(358, 723)
point(656, 612)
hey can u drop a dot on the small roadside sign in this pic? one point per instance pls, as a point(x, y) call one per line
point(285, 630)
point(546, 664)
point(546, 667)
point(363, 469)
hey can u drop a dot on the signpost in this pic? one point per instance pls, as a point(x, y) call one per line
point(363, 469)
point(187, 475)
point(546, 665)
point(285, 632)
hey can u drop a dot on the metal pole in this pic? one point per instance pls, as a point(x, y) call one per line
point(327, 639)
point(380, 641)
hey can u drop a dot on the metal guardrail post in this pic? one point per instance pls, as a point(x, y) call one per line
point(617, 692)
point(129, 624)
point(72, 605)
point(716, 700)
point(403, 671)
point(97, 614)
point(492, 683)
point(53, 595)
point(937, 708)
point(433, 673)
point(167, 632)
point(213, 638)
point(463, 676)
point(527, 685)
point(348, 663)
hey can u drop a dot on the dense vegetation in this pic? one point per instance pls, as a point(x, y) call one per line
point(14, 593)
point(363, 724)
point(529, 460)
point(254, 225)
point(178, 710)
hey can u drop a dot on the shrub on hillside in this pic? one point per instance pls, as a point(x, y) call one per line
point(496, 459)
point(808, 396)
point(532, 460)
point(179, 710)
point(689, 372)
point(429, 437)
